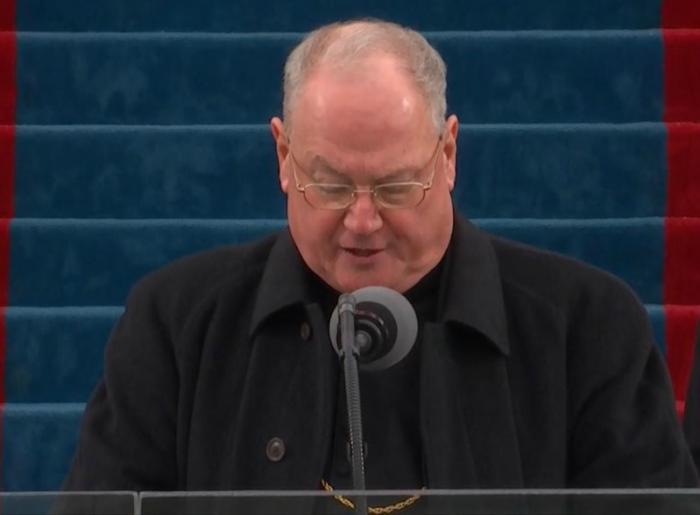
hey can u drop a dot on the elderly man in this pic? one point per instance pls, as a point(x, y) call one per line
point(531, 370)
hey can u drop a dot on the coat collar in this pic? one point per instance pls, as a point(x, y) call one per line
point(284, 282)
point(471, 292)
point(471, 289)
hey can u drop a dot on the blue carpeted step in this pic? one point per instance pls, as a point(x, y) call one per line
point(93, 262)
point(38, 442)
point(55, 354)
point(494, 77)
point(509, 171)
point(147, 172)
point(282, 15)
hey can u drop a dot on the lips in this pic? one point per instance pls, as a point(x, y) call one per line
point(359, 252)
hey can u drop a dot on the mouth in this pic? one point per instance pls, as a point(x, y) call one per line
point(363, 253)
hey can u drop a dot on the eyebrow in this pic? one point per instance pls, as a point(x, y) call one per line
point(319, 164)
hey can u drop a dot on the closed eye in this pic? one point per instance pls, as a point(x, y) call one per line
point(330, 190)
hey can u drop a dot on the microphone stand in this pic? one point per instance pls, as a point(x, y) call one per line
point(349, 353)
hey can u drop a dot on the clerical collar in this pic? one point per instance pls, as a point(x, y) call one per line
point(424, 295)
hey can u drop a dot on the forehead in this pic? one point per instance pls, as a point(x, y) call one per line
point(322, 170)
point(363, 107)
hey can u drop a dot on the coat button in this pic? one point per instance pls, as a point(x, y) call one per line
point(275, 449)
point(305, 331)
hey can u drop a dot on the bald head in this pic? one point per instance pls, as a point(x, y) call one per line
point(347, 46)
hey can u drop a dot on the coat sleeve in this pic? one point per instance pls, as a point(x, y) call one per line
point(128, 432)
point(624, 428)
point(691, 419)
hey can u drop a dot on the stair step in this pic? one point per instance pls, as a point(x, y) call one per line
point(281, 15)
point(510, 171)
point(55, 354)
point(38, 442)
point(493, 77)
point(93, 262)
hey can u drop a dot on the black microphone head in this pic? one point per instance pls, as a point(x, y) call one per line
point(386, 327)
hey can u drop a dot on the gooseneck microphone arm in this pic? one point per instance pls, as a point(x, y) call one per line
point(349, 354)
point(372, 328)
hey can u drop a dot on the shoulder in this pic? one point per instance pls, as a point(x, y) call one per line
point(564, 282)
point(585, 334)
point(589, 314)
point(192, 279)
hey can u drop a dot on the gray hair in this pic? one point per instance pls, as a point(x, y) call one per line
point(345, 43)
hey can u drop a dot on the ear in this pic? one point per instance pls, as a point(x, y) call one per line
point(282, 150)
point(450, 150)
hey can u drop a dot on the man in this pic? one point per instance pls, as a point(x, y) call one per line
point(531, 370)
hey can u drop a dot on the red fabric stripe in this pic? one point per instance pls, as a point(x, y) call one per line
point(4, 284)
point(4, 262)
point(8, 99)
point(7, 15)
point(7, 171)
point(8, 96)
point(8, 63)
point(680, 14)
point(681, 324)
point(682, 75)
point(681, 295)
point(3, 335)
point(682, 261)
point(683, 157)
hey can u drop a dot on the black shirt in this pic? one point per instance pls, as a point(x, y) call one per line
point(390, 410)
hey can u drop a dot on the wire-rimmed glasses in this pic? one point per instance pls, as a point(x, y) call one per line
point(390, 195)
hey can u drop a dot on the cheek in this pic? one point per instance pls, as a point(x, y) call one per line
point(415, 233)
point(312, 226)
point(406, 228)
point(321, 233)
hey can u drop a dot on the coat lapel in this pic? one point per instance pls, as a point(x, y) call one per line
point(467, 425)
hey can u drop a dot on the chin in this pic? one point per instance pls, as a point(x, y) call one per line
point(352, 284)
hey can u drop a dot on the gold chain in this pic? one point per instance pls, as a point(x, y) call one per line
point(378, 510)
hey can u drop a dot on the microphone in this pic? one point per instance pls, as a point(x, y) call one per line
point(386, 327)
point(376, 328)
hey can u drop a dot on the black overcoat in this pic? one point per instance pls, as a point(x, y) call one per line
point(541, 372)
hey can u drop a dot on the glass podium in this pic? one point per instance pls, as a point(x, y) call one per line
point(77, 503)
point(427, 502)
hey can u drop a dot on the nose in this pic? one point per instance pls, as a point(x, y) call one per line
point(362, 217)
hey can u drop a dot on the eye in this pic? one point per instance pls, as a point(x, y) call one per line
point(331, 190)
point(395, 190)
